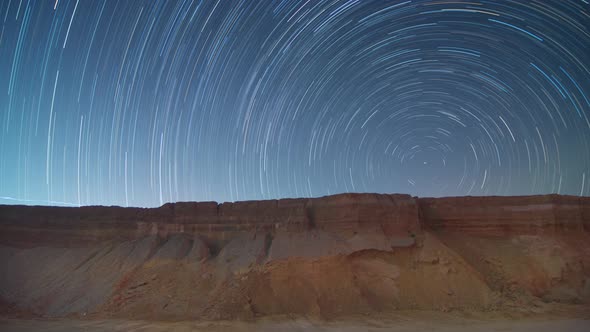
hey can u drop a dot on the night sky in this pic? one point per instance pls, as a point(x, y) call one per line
point(138, 103)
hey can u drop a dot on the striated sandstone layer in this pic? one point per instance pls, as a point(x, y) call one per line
point(325, 257)
point(507, 215)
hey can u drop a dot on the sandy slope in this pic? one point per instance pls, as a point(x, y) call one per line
point(165, 279)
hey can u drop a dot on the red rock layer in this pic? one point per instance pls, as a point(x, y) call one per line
point(392, 215)
point(501, 215)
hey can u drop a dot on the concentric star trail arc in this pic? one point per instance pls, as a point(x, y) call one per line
point(138, 103)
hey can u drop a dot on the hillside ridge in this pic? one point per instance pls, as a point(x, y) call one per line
point(325, 257)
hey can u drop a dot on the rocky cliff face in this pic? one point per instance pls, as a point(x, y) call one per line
point(507, 215)
point(346, 214)
point(328, 256)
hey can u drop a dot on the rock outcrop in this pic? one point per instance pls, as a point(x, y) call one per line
point(345, 214)
point(507, 215)
point(328, 256)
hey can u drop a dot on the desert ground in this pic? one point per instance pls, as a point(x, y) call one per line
point(403, 321)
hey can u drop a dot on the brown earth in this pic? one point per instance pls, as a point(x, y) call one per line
point(321, 258)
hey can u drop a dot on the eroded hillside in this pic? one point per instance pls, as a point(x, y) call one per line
point(323, 257)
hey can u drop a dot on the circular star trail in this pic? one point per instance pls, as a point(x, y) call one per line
point(138, 103)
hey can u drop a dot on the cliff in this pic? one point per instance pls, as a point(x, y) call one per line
point(506, 215)
point(393, 215)
point(328, 256)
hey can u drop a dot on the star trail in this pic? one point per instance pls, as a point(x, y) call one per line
point(139, 103)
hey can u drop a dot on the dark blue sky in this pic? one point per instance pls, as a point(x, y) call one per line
point(143, 102)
